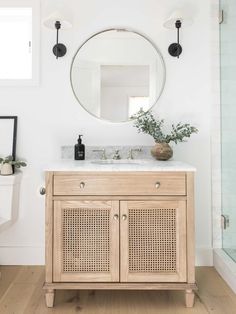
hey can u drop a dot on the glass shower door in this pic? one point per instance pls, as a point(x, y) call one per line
point(228, 125)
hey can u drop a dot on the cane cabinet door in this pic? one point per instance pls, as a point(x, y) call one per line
point(86, 241)
point(153, 241)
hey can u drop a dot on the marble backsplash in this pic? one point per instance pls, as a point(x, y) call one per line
point(67, 152)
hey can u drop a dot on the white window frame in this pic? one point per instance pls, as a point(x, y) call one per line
point(35, 5)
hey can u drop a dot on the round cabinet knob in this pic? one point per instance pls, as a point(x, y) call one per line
point(157, 185)
point(82, 185)
point(124, 217)
point(116, 217)
point(42, 190)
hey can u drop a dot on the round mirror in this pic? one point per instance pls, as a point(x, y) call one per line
point(117, 72)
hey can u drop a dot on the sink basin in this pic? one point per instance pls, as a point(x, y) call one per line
point(115, 162)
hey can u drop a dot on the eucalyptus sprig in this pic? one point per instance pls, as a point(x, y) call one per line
point(146, 123)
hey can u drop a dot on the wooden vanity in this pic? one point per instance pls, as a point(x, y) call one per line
point(120, 230)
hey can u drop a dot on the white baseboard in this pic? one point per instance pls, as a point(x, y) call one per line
point(24, 255)
point(226, 267)
point(204, 257)
point(35, 256)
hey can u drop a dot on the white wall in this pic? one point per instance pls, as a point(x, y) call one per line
point(50, 117)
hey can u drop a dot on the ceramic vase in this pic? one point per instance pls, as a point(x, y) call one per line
point(162, 151)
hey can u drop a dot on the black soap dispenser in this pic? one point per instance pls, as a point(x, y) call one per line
point(79, 149)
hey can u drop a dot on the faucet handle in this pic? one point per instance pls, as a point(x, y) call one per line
point(116, 155)
point(132, 150)
point(102, 151)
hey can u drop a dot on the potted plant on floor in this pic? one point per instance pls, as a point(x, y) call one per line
point(7, 163)
point(146, 123)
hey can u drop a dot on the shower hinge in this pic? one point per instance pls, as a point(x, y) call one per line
point(224, 221)
point(221, 16)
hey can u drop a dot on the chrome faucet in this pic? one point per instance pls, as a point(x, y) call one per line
point(116, 156)
point(131, 151)
point(103, 153)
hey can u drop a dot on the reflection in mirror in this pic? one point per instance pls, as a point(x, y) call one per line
point(117, 72)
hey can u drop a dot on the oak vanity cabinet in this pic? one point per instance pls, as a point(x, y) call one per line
point(113, 230)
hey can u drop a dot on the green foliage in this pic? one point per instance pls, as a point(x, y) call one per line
point(16, 163)
point(148, 124)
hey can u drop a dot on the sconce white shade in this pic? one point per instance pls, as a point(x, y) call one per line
point(177, 16)
point(50, 21)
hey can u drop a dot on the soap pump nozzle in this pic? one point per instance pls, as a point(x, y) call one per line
point(80, 139)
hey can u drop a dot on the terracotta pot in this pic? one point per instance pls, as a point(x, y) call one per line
point(162, 151)
point(6, 169)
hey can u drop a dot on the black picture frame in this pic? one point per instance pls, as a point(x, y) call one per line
point(13, 134)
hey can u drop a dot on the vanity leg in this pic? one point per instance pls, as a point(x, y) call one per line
point(50, 295)
point(189, 298)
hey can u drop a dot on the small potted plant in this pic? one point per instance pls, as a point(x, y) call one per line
point(146, 123)
point(7, 163)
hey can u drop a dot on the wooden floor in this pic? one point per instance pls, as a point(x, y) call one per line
point(21, 292)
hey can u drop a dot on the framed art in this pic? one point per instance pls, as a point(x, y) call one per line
point(8, 136)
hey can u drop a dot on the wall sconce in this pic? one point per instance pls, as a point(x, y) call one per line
point(176, 21)
point(57, 21)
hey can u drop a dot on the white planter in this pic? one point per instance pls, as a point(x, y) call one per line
point(6, 169)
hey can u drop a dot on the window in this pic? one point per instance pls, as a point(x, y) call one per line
point(138, 102)
point(19, 48)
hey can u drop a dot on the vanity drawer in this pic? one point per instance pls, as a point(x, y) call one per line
point(172, 183)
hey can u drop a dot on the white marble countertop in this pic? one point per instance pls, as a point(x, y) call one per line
point(119, 165)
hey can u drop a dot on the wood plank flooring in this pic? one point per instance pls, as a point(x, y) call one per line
point(21, 293)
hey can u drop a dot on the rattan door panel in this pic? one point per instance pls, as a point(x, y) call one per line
point(86, 241)
point(153, 241)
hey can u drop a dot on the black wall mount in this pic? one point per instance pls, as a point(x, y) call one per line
point(59, 49)
point(176, 49)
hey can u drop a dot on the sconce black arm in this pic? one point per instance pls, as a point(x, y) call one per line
point(175, 49)
point(59, 50)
